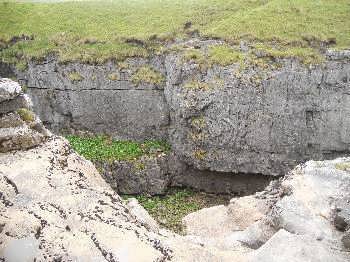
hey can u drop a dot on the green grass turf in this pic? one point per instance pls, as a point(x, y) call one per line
point(94, 31)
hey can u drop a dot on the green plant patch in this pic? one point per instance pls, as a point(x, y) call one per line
point(345, 166)
point(197, 85)
point(306, 55)
point(26, 115)
point(224, 55)
point(147, 74)
point(75, 77)
point(96, 31)
point(169, 210)
point(106, 149)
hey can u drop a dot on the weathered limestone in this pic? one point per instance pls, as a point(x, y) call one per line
point(54, 205)
point(147, 175)
point(104, 100)
point(261, 121)
point(304, 218)
point(258, 120)
point(19, 128)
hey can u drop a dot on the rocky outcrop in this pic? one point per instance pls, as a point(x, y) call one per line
point(262, 118)
point(294, 220)
point(55, 206)
point(19, 127)
point(98, 98)
point(258, 119)
point(156, 174)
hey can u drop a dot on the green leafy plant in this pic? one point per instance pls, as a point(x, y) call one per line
point(106, 149)
point(169, 209)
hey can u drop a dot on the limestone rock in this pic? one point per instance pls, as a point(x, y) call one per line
point(142, 215)
point(9, 89)
point(148, 175)
point(19, 127)
point(287, 247)
point(220, 221)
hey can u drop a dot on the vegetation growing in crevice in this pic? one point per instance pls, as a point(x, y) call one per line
point(147, 74)
point(168, 210)
point(75, 77)
point(26, 115)
point(197, 85)
point(113, 76)
point(344, 166)
point(104, 148)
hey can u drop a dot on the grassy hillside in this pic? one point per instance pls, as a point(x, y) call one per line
point(93, 31)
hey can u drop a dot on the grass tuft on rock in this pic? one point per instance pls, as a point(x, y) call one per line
point(75, 77)
point(147, 74)
point(103, 148)
point(26, 115)
point(224, 55)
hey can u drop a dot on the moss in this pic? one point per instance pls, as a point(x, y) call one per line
point(113, 76)
point(197, 85)
point(345, 166)
point(224, 55)
point(200, 154)
point(75, 77)
point(147, 74)
point(169, 210)
point(26, 115)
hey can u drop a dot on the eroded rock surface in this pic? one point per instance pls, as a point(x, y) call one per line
point(19, 127)
point(55, 206)
point(303, 218)
point(263, 119)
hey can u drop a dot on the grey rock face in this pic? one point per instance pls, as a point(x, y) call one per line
point(252, 120)
point(148, 175)
point(104, 100)
point(255, 120)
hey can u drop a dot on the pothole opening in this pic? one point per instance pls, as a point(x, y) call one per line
point(167, 188)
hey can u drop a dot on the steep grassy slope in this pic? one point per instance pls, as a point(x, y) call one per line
point(93, 31)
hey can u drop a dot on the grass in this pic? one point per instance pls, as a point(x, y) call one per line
point(224, 55)
point(103, 148)
point(95, 31)
point(147, 74)
point(345, 166)
point(197, 85)
point(26, 115)
point(75, 77)
point(113, 76)
point(169, 210)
